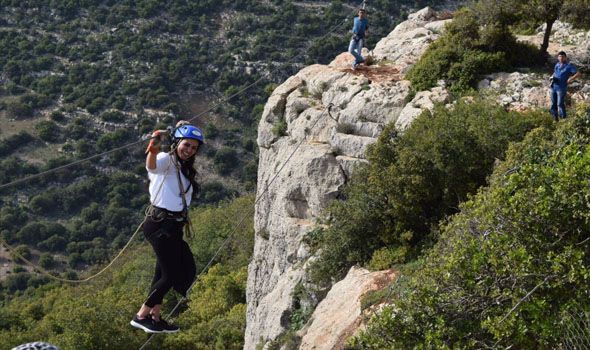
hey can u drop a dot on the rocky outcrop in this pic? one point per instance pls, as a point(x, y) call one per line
point(339, 315)
point(424, 100)
point(314, 131)
point(575, 42)
point(527, 90)
point(408, 41)
point(332, 114)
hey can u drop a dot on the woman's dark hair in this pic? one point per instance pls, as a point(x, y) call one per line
point(187, 168)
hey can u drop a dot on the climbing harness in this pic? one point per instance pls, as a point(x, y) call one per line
point(188, 227)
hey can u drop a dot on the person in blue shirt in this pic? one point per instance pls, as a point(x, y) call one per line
point(360, 30)
point(563, 74)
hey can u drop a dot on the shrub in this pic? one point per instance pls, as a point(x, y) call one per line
point(346, 128)
point(225, 160)
point(13, 142)
point(113, 116)
point(213, 192)
point(48, 130)
point(46, 261)
point(512, 266)
point(17, 281)
point(413, 181)
point(17, 109)
point(20, 251)
point(112, 140)
point(45, 203)
point(279, 128)
point(465, 52)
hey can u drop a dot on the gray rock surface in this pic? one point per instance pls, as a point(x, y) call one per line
point(422, 101)
point(408, 41)
point(332, 115)
point(339, 315)
point(305, 168)
point(525, 91)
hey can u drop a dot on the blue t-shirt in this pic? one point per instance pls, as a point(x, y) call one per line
point(360, 25)
point(561, 74)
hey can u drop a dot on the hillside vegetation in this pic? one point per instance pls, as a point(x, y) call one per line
point(391, 207)
point(83, 77)
point(511, 269)
point(96, 315)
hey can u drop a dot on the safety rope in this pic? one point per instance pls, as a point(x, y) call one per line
point(48, 274)
point(31, 177)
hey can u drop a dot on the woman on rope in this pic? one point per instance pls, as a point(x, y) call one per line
point(172, 184)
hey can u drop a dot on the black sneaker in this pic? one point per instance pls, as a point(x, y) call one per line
point(146, 324)
point(166, 327)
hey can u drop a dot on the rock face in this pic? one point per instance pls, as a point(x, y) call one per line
point(339, 314)
point(332, 114)
point(422, 101)
point(524, 91)
point(314, 131)
point(408, 41)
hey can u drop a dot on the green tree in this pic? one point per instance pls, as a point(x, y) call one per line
point(48, 130)
point(548, 11)
point(413, 181)
point(512, 265)
point(225, 160)
point(46, 261)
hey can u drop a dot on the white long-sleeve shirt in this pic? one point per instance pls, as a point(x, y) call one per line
point(164, 189)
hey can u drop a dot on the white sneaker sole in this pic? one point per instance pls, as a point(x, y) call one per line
point(143, 328)
point(165, 331)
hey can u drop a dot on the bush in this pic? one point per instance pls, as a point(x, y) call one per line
point(112, 140)
point(225, 160)
point(48, 130)
point(279, 128)
point(413, 181)
point(17, 109)
point(465, 52)
point(17, 281)
point(511, 268)
point(113, 116)
point(213, 192)
point(20, 251)
point(13, 142)
point(45, 203)
point(54, 243)
point(46, 261)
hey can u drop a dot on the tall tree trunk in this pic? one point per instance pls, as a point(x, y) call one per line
point(546, 36)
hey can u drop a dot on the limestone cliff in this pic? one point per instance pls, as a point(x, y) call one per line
point(314, 130)
point(305, 168)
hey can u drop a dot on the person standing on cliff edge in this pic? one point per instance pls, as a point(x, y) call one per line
point(360, 30)
point(563, 74)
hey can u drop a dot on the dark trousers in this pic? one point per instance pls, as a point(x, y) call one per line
point(558, 103)
point(175, 265)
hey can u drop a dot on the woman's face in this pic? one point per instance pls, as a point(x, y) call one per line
point(187, 148)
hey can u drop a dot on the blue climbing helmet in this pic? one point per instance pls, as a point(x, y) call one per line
point(188, 131)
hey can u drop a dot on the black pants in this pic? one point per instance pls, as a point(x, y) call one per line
point(175, 265)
